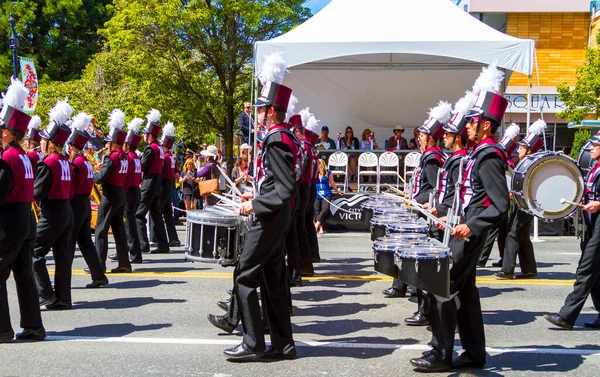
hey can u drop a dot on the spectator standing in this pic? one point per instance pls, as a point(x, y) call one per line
point(246, 122)
point(325, 185)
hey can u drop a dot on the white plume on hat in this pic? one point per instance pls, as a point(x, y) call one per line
point(489, 79)
point(34, 123)
point(116, 119)
point(291, 107)
point(442, 112)
point(273, 68)
point(153, 116)
point(465, 104)
point(312, 124)
point(305, 115)
point(135, 124)
point(169, 129)
point(15, 96)
point(61, 112)
point(512, 131)
point(538, 127)
point(80, 122)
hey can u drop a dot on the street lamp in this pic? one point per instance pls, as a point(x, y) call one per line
point(13, 43)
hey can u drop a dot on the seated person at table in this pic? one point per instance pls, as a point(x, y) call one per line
point(413, 143)
point(397, 141)
point(325, 142)
point(366, 139)
point(350, 142)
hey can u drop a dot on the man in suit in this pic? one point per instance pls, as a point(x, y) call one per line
point(245, 121)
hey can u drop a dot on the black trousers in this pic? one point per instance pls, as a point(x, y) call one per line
point(82, 235)
point(150, 202)
point(586, 277)
point(321, 209)
point(305, 226)
point(54, 232)
point(17, 235)
point(263, 261)
point(498, 232)
point(133, 238)
point(292, 245)
point(166, 205)
point(110, 215)
point(310, 226)
point(445, 314)
point(519, 243)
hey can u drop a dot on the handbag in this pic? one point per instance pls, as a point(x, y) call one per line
point(208, 186)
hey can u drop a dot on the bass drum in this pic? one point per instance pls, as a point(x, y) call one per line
point(584, 160)
point(542, 179)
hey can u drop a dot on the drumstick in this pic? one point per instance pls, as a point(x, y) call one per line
point(396, 190)
point(229, 201)
point(563, 201)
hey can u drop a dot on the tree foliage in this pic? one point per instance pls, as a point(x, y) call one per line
point(582, 136)
point(583, 100)
point(60, 35)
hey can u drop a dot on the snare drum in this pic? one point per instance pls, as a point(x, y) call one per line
point(383, 254)
point(389, 210)
point(426, 267)
point(585, 161)
point(408, 227)
point(213, 236)
point(378, 226)
point(409, 237)
point(540, 181)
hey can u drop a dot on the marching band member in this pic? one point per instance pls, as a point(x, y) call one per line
point(262, 260)
point(586, 277)
point(133, 189)
point(33, 140)
point(83, 180)
point(484, 202)
point(426, 178)
point(153, 161)
point(16, 219)
point(52, 191)
point(518, 241)
point(509, 144)
point(112, 176)
point(168, 184)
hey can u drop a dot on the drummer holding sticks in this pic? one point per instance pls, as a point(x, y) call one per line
point(517, 240)
point(588, 269)
point(484, 203)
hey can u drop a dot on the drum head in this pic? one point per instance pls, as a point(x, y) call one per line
point(409, 237)
point(584, 160)
point(548, 179)
point(423, 252)
point(407, 227)
point(384, 244)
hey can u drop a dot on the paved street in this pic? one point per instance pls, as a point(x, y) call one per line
point(153, 322)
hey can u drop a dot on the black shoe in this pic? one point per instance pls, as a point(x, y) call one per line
point(230, 292)
point(595, 324)
point(97, 283)
point(393, 292)
point(430, 363)
point(136, 260)
point(175, 243)
point(418, 319)
point(59, 305)
point(160, 251)
point(273, 354)
point(223, 305)
point(46, 300)
point(526, 275)
point(242, 351)
point(481, 265)
point(220, 322)
point(295, 282)
point(7, 336)
point(464, 361)
point(497, 264)
point(558, 321)
point(113, 257)
point(504, 276)
point(121, 270)
point(32, 334)
point(153, 244)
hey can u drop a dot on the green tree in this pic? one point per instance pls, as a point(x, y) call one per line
point(583, 100)
point(195, 56)
point(60, 35)
point(582, 136)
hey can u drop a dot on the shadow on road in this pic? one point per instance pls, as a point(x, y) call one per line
point(133, 284)
point(335, 310)
point(323, 295)
point(339, 327)
point(509, 317)
point(487, 292)
point(110, 330)
point(124, 303)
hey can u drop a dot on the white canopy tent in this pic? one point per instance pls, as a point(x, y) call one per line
point(379, 63)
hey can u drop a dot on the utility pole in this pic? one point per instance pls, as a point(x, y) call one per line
point(13, 43)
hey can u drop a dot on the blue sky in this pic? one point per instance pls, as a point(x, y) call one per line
point(316, 5)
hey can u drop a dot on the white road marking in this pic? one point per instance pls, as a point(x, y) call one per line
point(570, 253)
point(413, 347)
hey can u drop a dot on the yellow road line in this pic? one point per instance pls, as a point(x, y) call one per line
point(324, 277)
